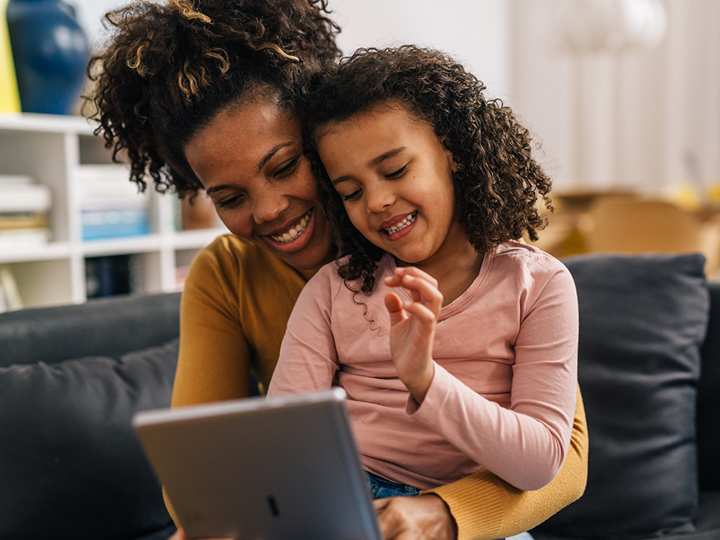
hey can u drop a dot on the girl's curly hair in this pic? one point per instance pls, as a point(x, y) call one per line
point(498, 184)
point(169, 68)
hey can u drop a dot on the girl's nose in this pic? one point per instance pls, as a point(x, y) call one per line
point(378, 198)
point(268, 207)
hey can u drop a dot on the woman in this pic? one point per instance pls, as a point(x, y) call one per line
point(199, 95)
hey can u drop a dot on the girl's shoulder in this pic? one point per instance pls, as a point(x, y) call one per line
point(526, 259)
point(329, 280)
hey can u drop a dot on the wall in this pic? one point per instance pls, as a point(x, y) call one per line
point(648, 120)
point(475, 32)
point(642, 119)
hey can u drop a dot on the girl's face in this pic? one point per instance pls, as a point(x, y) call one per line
point(250, 161)
point(395, 179)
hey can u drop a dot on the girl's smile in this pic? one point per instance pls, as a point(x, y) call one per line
point(394, 176)
point(398, 227)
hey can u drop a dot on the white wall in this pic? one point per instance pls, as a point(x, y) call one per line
point(90, 14)
point(640, 119)
point(475, 32)
point(646, 120)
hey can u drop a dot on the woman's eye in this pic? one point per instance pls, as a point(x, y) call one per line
point(351, 196)
point(398, 173)
point(287, 168)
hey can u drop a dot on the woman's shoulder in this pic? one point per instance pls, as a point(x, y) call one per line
point(230, 262)
point(231, 252)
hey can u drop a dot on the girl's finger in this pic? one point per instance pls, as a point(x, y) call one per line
point(424, 292)
point(395, 308)
point(424, 314)
point(415, 272)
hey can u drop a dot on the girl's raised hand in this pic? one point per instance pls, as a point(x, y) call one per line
point(413, 327)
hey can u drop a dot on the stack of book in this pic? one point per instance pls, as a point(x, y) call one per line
point(110, 204)
point(24, 209)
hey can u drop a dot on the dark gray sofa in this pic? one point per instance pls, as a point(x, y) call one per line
point(71, 378)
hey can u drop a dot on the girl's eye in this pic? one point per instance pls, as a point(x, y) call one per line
point(233, 200)
point(397, 174)
point(287, 168)
point(351, 196)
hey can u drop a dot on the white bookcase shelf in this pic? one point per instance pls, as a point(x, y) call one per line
point(60, 152)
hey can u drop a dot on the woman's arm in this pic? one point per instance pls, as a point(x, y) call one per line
point(233, 316)
point(214, 358)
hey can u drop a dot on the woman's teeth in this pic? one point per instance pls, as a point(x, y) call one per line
point(400, 226)
point(294, 232)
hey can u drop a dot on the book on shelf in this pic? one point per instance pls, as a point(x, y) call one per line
point(9, 294)
point(21, 195)
point(110, 205)
point(24, 209)
point(112, 275)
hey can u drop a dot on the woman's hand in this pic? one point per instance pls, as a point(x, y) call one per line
point(425, 517)
point(413, 327)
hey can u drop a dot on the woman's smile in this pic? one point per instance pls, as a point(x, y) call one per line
point(296, 236)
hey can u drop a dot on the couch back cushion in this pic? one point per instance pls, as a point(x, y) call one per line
point(643, 320)
point(708, 405)
point(106, 326)
point(70, 464)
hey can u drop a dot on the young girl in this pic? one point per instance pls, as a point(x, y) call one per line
point(456, 344)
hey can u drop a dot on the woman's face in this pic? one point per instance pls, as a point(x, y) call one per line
point(250, 161)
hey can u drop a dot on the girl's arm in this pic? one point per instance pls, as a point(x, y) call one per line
point(526, 444)
point(308, 358)
point(485, 507)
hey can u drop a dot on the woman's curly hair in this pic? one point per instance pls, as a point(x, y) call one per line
point(498, 184)
point(169, 68)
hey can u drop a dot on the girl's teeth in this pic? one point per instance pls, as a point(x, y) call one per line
point(404, 223)
point(296, 231)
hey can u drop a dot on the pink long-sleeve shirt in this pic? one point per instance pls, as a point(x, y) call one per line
point(503, 392)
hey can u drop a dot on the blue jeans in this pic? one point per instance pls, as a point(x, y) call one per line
point(382, 488)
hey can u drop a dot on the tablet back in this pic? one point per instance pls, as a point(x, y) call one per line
point(263, 469)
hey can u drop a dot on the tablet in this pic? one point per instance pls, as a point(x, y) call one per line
point(262, 468)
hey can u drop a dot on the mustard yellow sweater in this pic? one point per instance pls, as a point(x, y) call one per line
point(235, 306)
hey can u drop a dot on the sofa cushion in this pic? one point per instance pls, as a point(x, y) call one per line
point(70, 465)
point(708, 406)
point(106, 326)
point(643, 319)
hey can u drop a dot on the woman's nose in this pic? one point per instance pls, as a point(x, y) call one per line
point(268, 207)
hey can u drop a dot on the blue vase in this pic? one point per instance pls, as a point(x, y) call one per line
point(50, 51)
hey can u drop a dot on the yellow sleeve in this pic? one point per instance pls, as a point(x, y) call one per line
point(214, 358)
point(486, 508)
point(234, 309)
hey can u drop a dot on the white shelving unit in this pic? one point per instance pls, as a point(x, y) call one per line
point(57, 151)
